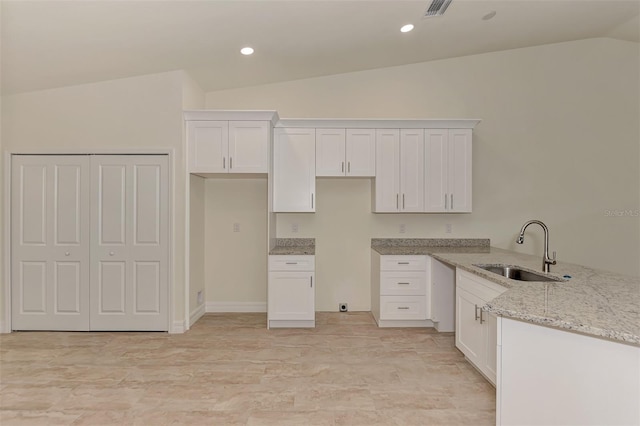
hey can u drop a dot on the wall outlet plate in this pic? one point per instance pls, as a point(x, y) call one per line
point(343, 307)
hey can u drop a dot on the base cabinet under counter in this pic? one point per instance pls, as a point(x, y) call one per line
point(291, 291)
point(400, 290)
point(476, 330)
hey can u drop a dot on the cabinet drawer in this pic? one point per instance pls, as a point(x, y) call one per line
point(403, 263)
point(403, 283)
point(403, 307)
point(291, 263)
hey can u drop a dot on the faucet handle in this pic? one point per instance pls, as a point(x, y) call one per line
point(554, 258)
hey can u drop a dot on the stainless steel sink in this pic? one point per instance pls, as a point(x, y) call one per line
point(516, 273)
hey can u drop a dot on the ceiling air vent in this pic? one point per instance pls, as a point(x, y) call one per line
point(437, 8)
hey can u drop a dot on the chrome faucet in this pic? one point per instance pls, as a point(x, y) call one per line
point(546, 260)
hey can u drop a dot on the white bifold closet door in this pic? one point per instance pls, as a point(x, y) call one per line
point(121, 222)
point(50, 242)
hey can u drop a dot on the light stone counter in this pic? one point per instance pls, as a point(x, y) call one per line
point(294, 246)
point(592, 302)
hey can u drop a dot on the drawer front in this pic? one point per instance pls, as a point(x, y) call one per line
point(403, 263)
point(400, 283)
point(403, 307)
point(291, 263)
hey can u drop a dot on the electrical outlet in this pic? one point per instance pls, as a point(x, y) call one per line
point(403, 228)
point(200, 297)
point(343, 307)
point(448, 228)
point(294, 228)
point(236, 227)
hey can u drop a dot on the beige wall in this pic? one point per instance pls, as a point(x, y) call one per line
point(235, 262)
point(559, 142)
point(127, 114)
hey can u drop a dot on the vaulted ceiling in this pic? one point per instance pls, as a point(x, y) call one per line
point(46, 44)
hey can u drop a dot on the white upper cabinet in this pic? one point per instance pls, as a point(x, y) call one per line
point(228, 146)
point(294, 170)
point(330, 152)
point(387, 183)
point(248, 146)
point(399, 185)
point(448, 170)
point(349, 152)
point(361, 153)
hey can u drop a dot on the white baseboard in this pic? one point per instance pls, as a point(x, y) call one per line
point(196, 314)
point(177, 327)
point(236, 307)
point(4, 328)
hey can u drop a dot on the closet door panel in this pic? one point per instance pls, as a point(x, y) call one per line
point(50, 242)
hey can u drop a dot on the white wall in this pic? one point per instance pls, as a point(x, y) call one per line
point(133, 113)
point(559, 141)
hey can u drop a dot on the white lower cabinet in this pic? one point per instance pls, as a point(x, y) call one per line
point(476, 330)
point(291, 291)
point(399, 293)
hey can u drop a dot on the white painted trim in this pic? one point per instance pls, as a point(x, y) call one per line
point(177, 327)
point(236, 307)
point(371, 123)
point(197, 314)
point(5, 323)
point(230, 115)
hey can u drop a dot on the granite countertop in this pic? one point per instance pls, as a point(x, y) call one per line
point(592, 302)
point(294, 246)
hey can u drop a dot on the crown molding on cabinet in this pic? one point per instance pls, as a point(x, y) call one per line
point(374, 123)
point(230, 115)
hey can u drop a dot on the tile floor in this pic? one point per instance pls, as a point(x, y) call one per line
point(230, 370)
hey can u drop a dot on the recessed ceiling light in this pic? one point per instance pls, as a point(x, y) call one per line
point(406, 28)
point(489, 15)
point(246, 50)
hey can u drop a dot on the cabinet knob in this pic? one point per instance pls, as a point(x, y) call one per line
point(111, 253)
point(66, 253)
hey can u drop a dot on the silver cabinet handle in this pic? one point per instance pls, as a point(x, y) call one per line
point(403, 263)
point(224, 162)
point(311, 281)
point(397, 202)
point(476, 312)
point(311, 200)
point(230, 163)
point(403, 283)
point(403, 307)
point(343, 167)
point(349, 167)
point(402, 201)
point(445, 201)
point(481, 319)
point(451, 201)
point(291, 263)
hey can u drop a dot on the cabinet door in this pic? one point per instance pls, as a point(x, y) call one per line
point(330, 150)
point(208, 146)
point(248, 146)
point(387, 184)
point(361, 152)
point(459, 170)
point(469, 331)
point(411, 170)
point(294, 170)
point(436, 197)
point(291, 296)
